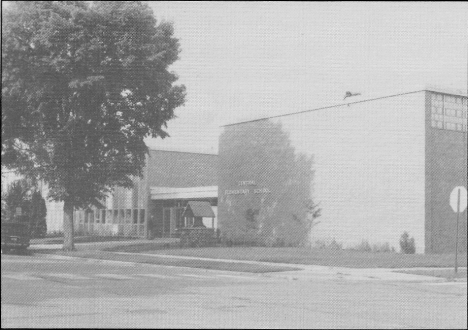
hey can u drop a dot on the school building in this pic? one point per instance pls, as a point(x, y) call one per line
point(376, 167)
point(155, 206)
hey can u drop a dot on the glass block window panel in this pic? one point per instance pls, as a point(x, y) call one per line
point(451, 126)
point(451, 112)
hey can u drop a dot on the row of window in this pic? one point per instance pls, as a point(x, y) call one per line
point(449, 126)
point(114, 216)
point(449, 112)
point(447, 99)
point(447, 119)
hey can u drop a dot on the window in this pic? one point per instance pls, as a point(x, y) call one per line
point(90, 217)
point(135, 216)
point(122, 216)
point(142, 216)
point(451, 126)
point(451, 112)
point(128, 216)
point(448, 112)
point(109, 216)
point(97, 216)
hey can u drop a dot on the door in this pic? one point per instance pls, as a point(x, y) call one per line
point(172, 219)
point(166, 230)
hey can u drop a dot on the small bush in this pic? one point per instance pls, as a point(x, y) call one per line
point(333, 245)
point(279, 242)
point(384, 248)
point(53, 234)
point(364, 246)
point(407, 244)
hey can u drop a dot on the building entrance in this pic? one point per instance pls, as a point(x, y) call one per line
point(172, 220)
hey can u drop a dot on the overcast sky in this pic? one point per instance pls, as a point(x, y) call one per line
point(243, 60)
point(251, 60)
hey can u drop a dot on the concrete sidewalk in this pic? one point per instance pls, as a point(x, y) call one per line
point(312, 271)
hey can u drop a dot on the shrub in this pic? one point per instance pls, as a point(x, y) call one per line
point(53, 234)
point(279, 242)
point(407, 244)
point(333, 245)
point(385, 248)
point(364, 246)
point(197, 237)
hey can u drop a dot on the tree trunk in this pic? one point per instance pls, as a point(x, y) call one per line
point(68, 244)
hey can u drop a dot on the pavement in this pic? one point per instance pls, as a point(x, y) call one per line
point(46, 290)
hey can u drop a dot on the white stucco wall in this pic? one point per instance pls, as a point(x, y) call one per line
point(369, 163)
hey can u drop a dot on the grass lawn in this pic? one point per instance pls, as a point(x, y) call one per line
point(445, 273)
point(208, 264)
point(323, 257)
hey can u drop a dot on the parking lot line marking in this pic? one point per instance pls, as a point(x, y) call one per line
point(114, 276)
point(22, 277)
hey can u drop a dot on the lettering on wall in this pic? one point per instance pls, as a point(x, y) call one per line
point(246, 191)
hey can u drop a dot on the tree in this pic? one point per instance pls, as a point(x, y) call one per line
point(82, 86)
point(278, 207)
point(22, 193)
point(37, 215)
point(16, 195)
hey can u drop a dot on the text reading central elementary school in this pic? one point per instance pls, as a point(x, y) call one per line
point(247, 191)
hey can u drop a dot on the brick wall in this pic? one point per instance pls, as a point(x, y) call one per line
point(182, 169)
point(445, 169)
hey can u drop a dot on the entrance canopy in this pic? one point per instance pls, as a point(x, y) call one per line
point(198, 209)
point(164, 193)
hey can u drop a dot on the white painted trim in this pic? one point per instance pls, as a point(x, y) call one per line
point(160, 193)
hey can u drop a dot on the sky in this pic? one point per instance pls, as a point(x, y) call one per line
point(247, 60)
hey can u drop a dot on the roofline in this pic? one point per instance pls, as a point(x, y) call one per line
point(185, 152)
point(443, 90)
point(427, 89)
point(321, 108)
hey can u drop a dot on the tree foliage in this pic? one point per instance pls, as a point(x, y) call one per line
point(278, 208)
point(16, 195)
point(82, 86)
point(23, 194)
point(37, 215)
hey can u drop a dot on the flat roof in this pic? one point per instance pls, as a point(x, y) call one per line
point(428, 88)
point(185, 152)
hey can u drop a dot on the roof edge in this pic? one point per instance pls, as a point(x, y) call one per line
point(185, 152)
point(425, 89)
